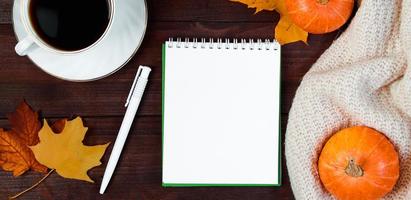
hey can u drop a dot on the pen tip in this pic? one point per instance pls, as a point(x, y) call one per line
point(102, 190)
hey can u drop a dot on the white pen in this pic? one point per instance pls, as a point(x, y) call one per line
point(133, 101)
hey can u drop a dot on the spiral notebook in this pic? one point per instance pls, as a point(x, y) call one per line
point(221, 113)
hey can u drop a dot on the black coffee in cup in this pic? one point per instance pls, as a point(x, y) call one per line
point(69, 25)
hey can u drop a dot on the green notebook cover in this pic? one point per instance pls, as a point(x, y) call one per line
point(217, 184)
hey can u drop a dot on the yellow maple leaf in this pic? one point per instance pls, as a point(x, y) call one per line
point(259, 5)
point(285, 31)
point(66, 153)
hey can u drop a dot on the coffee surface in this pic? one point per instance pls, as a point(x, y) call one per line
point(69, 24)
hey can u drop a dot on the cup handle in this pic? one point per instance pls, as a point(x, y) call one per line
point(23, 47)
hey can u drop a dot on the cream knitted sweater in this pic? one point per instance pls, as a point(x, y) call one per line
point(363, 78)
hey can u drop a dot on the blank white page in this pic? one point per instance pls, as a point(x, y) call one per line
point(221, 114)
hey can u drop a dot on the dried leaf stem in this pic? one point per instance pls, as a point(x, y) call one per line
point(32, 187)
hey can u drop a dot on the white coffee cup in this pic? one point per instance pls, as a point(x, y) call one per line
point(32, 41)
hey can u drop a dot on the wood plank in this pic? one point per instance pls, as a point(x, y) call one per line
point(184, 10)
point(210, 10)
point(19, 78)
point(5, 11)
point(138, 174)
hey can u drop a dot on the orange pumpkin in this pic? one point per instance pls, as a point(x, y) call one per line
point(358, 163)
point(319, 16)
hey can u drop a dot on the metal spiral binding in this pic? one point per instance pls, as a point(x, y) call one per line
point(235, 44)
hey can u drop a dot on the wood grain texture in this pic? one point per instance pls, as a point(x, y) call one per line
point(101, 102)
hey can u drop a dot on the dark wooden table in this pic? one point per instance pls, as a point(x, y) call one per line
point(100, 103)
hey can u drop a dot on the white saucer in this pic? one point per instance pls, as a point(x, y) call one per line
point(109, 55)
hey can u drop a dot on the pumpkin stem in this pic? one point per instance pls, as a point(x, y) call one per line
point(323, 2)
point(353, 169)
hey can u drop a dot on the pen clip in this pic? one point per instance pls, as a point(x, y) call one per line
point(133, 86)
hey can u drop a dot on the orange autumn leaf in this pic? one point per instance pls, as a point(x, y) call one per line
point(25, 124)
point(65, 151)
point(15, 155)
point(285, 31)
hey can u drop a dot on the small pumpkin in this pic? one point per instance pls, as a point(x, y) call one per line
point(358, 163)
point(319, 16)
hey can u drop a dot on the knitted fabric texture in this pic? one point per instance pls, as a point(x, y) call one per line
point(362, 79)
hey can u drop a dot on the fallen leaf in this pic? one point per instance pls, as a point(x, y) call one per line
point(25, 123)
point(15, 156)
point(259, 5)
point(65, 151)
point(285, 31)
